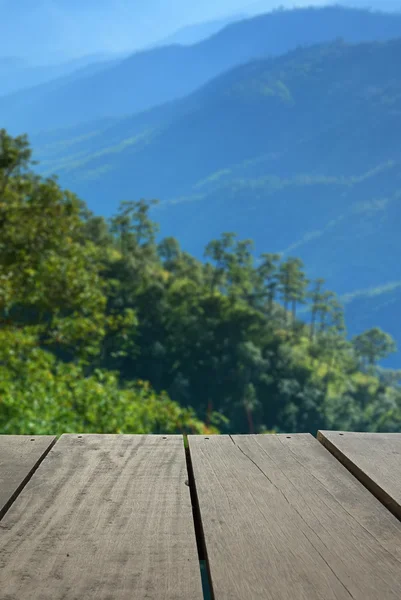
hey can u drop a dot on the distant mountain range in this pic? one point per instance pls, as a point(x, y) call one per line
point(150, 78)
point(192, 34)
point(261, 6)
point(300, 152)
point(321, 124)
point(55, 31)
point(17, 74)
point(273, 128)
point(382, 5)
point(63, 29)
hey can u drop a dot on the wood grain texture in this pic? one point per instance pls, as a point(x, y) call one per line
point(19, 456)
point(105, 517)
point(374, 458)
point(283, 519)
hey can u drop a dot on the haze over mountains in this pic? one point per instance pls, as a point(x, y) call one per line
point(17, 74)
point(72, 39)
point(272, 128)
point(159, 75)
point(54, 31)
point(49, 31)
point(192, 34)
point(29, 69)
point(289, 159)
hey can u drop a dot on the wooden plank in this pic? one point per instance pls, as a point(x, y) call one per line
point(283, 519)
point(106, 517)
point(374, 458)
point(19, 457)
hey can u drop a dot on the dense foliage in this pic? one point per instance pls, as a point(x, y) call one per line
point(104, 329)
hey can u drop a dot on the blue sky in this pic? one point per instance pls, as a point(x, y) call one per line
point(49, 30)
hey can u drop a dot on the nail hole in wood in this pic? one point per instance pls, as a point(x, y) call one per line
point(206, 438)
point(32, 439)
point(288, 437)
point(341, 434)
point(80, 436)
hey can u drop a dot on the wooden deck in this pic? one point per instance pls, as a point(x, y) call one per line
point(133, 517)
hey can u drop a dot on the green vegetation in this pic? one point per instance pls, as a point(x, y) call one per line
point(55, 319)
point(104, 329)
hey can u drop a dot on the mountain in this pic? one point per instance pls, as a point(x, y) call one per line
point(17, 74)
point(261, 6)
point(160, 75)
point(382, 5)
point(192, 34)
point(64, 29)
point(300, 153)
point(61, 30)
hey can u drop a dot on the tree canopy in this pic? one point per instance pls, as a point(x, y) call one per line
point(104, 329)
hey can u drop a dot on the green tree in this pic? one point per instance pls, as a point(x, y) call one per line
point(49, 278)
point(134, 228)
point(41, 395)
point(240, 273)
point(292, 285)
point(219, 251)
point(316, 297)
point(170, 252)
point(267, 273)
point(15, 160)
point(374, 345)
point(325, 309)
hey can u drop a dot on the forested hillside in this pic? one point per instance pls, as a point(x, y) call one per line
point(104, 329)
point(328, 110)
point(159, 75)
point(300, 152)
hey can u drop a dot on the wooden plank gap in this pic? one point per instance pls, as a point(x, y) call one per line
point(7, 505)
point(199, 533)
point(378, 492)
point(105, 517)
point(283, 519)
